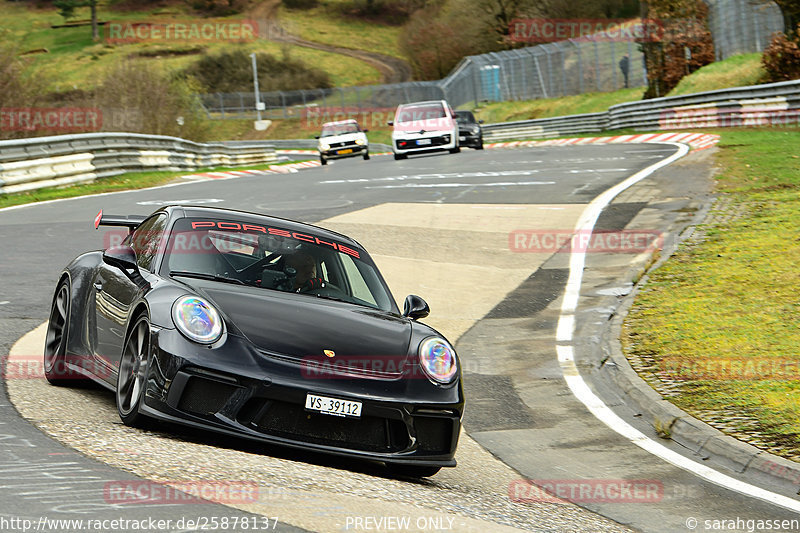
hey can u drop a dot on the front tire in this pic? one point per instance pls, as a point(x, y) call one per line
point(323, 161)
point(397, 157)
point(366, 156)
point(132, 378)
point(55, 344)
point(480, 144)
point(455, 150)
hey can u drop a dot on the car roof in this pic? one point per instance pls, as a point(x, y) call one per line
point(426, 102)
point(257, 218)
point(348, 121)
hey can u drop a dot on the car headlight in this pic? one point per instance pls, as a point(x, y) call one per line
point(360, 141)
point(438, 359)
point(197, 319)
point(324, 146)
point(476, 130)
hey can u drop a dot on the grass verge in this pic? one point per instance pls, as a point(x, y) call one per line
point(326, 24)
point(73, 60)
point(715, 327)
point(123, 182)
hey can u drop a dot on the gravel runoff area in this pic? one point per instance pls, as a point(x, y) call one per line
point(314, 495)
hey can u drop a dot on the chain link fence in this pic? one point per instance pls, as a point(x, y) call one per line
point(742, 26)
point(562, 68)
point(543, 71)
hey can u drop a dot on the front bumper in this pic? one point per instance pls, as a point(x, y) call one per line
point(344, 151)
point(469, 139)
point(238, 390)
point(411, 145)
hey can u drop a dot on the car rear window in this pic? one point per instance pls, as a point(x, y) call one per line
point(414, 113)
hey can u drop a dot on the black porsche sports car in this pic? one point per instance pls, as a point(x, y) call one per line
point(258, 327)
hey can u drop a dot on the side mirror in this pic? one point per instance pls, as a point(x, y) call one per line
point(316, 136)
point(365, 131)
point(480, 121)
point(122, 257)
point(415, 307)
point(390, 123)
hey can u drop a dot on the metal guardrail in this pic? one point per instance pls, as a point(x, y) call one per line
point(302, 144)
point(773, 104)
point(28, 164)
point(546, 127)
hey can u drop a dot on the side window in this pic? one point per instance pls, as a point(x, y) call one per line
point(357, 283)
point(146, 239)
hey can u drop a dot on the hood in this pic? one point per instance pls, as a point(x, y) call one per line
point(303, 326)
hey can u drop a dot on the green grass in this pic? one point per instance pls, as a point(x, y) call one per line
point(123, 182)
point(74, 61)
point(733, 296)
point(326, 24)
point(732, 72)
point(556, 107)
point(735, 71)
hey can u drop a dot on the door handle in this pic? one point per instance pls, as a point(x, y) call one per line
point(98, 286)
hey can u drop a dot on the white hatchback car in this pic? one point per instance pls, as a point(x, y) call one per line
point(342, 139)
point(422, 127)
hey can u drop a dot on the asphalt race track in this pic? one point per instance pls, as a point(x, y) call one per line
point(446, 227)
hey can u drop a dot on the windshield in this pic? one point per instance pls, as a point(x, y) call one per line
point(415, 113)
point(465, 117)
point(273, 258)
point(329, 130)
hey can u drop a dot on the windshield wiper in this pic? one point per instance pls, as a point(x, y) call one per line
point(203, 275)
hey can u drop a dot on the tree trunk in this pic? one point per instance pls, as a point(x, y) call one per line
point(95, 29)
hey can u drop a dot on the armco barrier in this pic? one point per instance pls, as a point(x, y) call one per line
point(29, 164)
point(774, 104)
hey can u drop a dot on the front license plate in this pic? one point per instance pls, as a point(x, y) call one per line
point(333, 406)
point(348, 151)
point(421, 142)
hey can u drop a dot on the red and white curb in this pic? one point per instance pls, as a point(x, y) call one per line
point(273, 169)
point(697, 141)
point(315, 152)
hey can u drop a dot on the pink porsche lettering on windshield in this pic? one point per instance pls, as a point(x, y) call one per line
point(303, 237)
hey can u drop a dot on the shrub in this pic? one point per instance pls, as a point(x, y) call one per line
point(233, 72)
point(18, 88)
point(685, 27)
point(140, 97)
point(300, 4)
point(781, 59)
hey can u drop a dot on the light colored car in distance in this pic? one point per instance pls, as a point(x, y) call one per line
point(340, 139)
point(423, 127)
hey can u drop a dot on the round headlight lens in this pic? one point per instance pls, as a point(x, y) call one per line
point(360, 141)
point(197, 319)
point(438, 359)
point(324, 146)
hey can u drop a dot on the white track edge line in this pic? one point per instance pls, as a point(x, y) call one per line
point(580, 389)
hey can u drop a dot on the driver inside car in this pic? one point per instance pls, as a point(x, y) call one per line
point(305, 278)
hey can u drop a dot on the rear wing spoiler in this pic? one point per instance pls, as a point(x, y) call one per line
point(129, 221)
